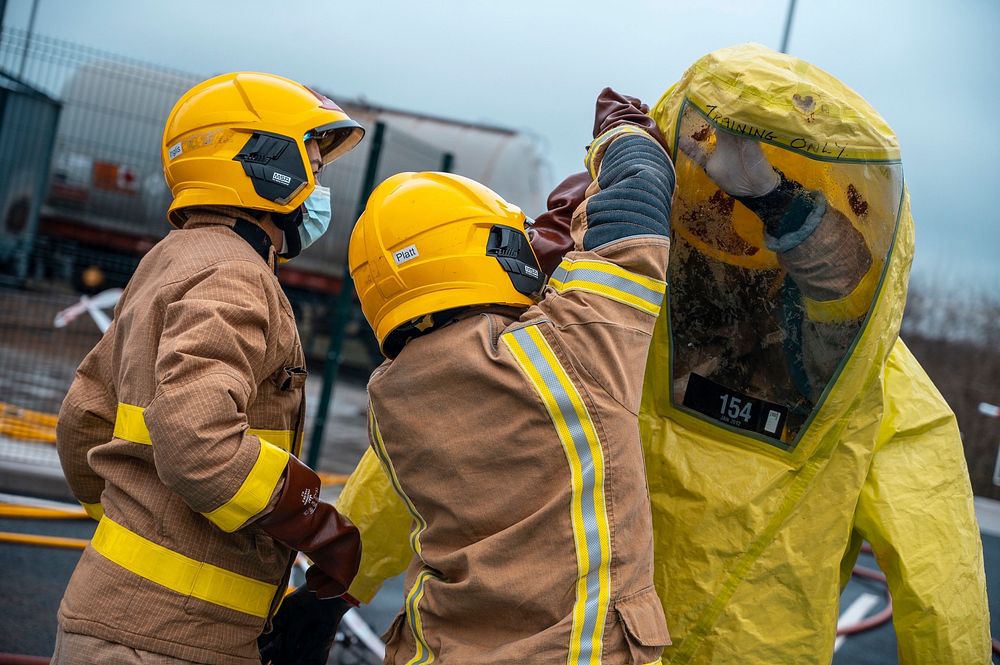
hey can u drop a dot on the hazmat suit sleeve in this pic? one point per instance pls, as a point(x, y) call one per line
point(369, 500)
point(86, 420)
point(209, 363)
point(916, 510)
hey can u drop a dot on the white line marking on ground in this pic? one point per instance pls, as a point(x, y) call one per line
point(988, 514)
point(854, 613)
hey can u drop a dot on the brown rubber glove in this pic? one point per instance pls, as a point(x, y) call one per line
point(614, 109)
point(550, 236)
point(303, 522)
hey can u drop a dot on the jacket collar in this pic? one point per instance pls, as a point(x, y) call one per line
point(242, 222)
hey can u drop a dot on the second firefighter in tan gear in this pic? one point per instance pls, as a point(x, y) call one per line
point(181, 430)
point(508, 427)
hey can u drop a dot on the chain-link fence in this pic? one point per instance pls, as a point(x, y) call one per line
point(27, 129)
point(102, 201)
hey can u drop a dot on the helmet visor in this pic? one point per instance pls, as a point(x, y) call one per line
point(769, 292)
point(336, 138)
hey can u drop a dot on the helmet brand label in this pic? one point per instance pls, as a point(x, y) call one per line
point(281, 178)
point(405, 254)
point(174, 151)
point(530, 272)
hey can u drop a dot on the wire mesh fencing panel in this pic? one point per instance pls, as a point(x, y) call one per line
point(27, 129)
point(39, 353)
point(105, 170)
point(105, 204)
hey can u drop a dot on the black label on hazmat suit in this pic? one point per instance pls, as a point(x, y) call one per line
point(734, 408)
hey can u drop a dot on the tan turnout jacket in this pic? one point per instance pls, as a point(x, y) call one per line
point(513, 439)
point(179, 424)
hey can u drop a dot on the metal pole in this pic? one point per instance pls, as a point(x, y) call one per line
point(996, 469)
point(447, 160)
point(992, 411)
point(27, 38)
point(788, 26)
point(342, 312)
point(3, 12)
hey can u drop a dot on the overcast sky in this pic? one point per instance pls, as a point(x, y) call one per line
point(930, 68)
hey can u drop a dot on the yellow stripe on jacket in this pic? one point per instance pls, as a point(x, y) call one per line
point(610, 281)
point(179, 573)
point(585, 456)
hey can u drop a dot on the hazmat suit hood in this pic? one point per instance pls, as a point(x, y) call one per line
point(772, 340)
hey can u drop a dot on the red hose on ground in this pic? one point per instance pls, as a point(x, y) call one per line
point(886, 613)
point(876, 619)
point(16, 659)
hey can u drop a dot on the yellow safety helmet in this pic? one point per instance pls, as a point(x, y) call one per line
point(431, 242)
point(239, 139)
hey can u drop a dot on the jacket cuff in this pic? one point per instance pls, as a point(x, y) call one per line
point(256, 490)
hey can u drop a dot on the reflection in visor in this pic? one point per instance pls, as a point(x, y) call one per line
point(335, 139)
point(773, 268)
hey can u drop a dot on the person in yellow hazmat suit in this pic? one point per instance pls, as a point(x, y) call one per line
point(181, 431)
point(783, 420)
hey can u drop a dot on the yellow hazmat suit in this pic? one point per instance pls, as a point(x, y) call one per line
point(783, 420)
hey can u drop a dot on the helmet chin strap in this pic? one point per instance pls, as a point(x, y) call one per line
point(289, 224)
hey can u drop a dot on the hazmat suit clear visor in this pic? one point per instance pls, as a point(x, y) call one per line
point(779, 247)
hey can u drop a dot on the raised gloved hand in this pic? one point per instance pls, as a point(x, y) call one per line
point(738, 166)
point(617, 114)
point(550, 237)
point(303, 630)
point(614, 109)
point(303, 522)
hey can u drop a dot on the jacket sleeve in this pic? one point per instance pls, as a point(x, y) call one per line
point(86, 420)
point(209, 363)
point(605, 295)
point(369, 500)
point(917, 512)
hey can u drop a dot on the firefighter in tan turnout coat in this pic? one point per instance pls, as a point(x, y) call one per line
point(508, 424)
point(181, 430)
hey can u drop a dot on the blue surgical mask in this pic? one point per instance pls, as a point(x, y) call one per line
point(316, 216)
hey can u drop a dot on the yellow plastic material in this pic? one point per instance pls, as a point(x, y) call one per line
point(750, 539)
point(17, 511)
point(369, 501)
point(95, 511)
point(420, 247)
point(214, 120)
point(26, 424)
point(34, 540)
